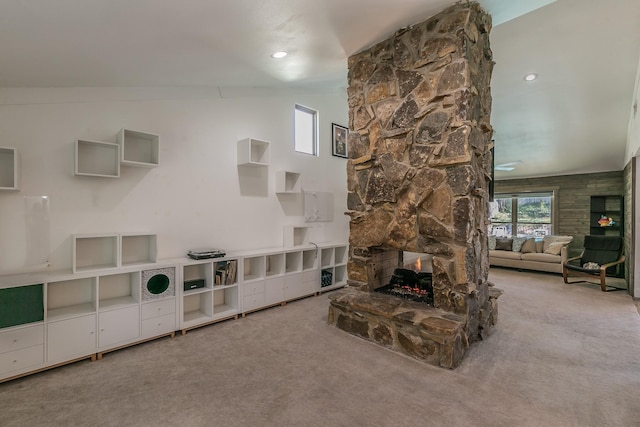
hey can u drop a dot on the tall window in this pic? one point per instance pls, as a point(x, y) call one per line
point(306, 130)
point(523, 215)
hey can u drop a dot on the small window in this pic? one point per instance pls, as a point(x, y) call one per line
point(306, 130)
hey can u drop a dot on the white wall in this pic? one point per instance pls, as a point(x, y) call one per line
point(633, 134)
point(632, 153)
point(197, 197)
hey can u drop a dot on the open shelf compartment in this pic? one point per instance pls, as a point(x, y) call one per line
point(139, 149)
point(287, 182)
point(97, 158)
point(70, 298)
point(253, 152)
point(118, 290)
point(9, 169)
point(94, 252)
point(138, 248)
point(225, 302)
point(197, 308)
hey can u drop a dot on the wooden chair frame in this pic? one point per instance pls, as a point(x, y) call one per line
point(601, 273)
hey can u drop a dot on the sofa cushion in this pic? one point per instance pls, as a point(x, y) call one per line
point(504, 254)
point(504, 244)
point(542, 258)
point(548, 240)
point(555, 248)
point(529, 246)
point(517, 244)
point(539, 246)
point(492, 242)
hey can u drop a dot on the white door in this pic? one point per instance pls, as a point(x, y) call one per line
point(117, 326)
point(71, 338)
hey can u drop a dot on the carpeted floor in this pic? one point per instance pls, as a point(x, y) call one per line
point(561, 355)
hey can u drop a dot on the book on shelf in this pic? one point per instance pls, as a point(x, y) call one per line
point(226, 273)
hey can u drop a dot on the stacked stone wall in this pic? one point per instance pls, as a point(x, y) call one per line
point(420, 160)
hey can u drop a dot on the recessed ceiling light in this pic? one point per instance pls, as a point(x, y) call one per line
point(278, 55)
point(530, 77)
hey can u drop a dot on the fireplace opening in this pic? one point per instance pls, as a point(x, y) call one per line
point(409, 284)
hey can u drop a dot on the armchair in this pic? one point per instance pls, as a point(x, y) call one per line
point(601, 255)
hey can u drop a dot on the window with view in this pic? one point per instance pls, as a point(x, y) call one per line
point(306, 130)
point(522, 215)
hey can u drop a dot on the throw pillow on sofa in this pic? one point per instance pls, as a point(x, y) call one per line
point(555, 248)
point(548, 240)
point(504, 244)
point(517, 244)
point(529, 246)
point(492, 243)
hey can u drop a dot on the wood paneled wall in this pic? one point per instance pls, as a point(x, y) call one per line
point(573, 197)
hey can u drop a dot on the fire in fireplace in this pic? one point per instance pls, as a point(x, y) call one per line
point(411, 285)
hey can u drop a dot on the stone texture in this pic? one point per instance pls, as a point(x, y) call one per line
point(418, 180)
point(417, 330)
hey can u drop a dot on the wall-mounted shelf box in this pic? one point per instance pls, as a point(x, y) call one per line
point(94, 252)
point(139, 149)
point(9, 169)
point(296, 236)
point(287, 182)
point(138, 249)
point(253, 152)
point(96, 158)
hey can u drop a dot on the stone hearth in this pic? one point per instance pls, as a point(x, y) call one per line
point(418, 176)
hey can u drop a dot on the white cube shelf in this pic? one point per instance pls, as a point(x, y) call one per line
point(97, 158)
point(139, 149)
point(94, 252)
point(287, 182)
point(118, 290)
point(274, 265)
point(9, 169)
point(138, 248)
point(69, 298)
point(253, 152)
point(296, 236)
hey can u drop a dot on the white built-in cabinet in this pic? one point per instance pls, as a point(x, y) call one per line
point(55, 318)
point(218, 299)
point(333, 267)
point(9, 169)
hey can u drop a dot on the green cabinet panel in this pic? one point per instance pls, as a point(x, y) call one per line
point(20, 305)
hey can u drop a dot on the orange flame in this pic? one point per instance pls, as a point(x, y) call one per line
point(418, 267)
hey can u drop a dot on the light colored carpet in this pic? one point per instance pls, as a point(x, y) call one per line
point(561, 355)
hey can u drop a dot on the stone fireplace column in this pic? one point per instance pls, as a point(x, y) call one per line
point(419, 158)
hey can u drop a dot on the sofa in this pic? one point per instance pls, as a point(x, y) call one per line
point(546, 254)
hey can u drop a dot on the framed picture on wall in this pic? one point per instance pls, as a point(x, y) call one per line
point(339, 137)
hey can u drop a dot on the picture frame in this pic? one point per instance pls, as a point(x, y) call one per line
point(339, 137)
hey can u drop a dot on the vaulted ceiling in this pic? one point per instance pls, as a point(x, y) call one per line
point(572, 119)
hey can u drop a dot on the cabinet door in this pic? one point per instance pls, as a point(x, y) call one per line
point(118, 325)
point(252, 302)
point(67, 339)
point(294, 286)
point(274, 290)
